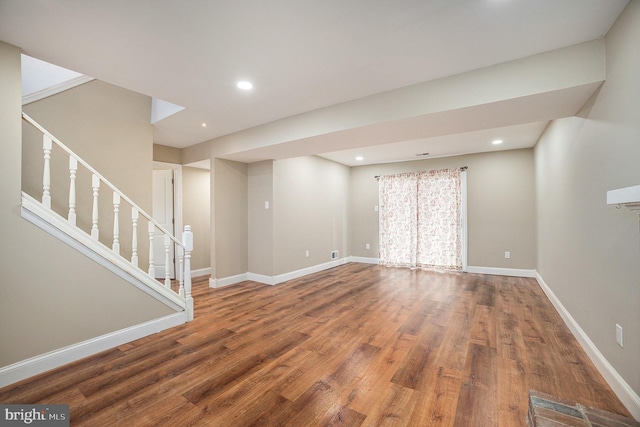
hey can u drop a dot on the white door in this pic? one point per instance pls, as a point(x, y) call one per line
point(163, 213)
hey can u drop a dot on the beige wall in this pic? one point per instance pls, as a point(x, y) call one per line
point(260, 217)
point(229, 222)
point(196, 208)
point(109, 128)
point(310, 211)
point(588, 252)
point(162, 153)
point(50, 295)
point(501, 207)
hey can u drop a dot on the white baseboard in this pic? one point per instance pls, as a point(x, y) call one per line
point(364, 260)
point(274, 280)
point(261, 278)
point(201, 272)
point(309, 270)
point(36, 365)
point(226, 281)
point(621, 388)
point(516, 272)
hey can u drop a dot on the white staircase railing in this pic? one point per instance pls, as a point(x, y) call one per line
point(181, 295)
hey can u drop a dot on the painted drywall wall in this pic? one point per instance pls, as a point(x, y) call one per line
point(229, 206)
point(501, 207)
point(310, 211)
point(162, 153)
point(196, 205)
point(588, 252)
point(51, 296)
point(109, 128)
point(260, 217)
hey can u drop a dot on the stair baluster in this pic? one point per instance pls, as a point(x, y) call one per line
point(95, 184)
point(152, 268)
point(46, 174)
point(47, 218)
point(134, 237)
point(167, 270)
point(73, 167)
point(180, 271)
point(116, 224)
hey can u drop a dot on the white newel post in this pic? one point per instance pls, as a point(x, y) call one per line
point(73, 167)
point(116, 224)
point(167, 270)
point(187, 241)
point(152, 269)
point(134, 238)
point(46, 174)
point(95, 184)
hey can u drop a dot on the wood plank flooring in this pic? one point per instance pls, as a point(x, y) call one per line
point(355, 345)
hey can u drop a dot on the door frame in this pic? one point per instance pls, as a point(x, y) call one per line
point(177, 199)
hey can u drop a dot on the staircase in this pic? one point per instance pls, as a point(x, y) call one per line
point(117, 245)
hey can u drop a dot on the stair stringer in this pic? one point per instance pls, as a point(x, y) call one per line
point(52, 223)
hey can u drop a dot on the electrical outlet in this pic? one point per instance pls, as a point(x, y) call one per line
point(507, 255)
point(367, 246)
point(306, 253)
point(619, 336)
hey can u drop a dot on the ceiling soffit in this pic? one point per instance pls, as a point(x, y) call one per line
point(539, 88)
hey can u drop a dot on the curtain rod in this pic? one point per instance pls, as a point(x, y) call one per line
point(462, 168)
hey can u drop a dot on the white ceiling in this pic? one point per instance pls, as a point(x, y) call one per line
point(38, 75)
point(518, 136)
point(301, 55)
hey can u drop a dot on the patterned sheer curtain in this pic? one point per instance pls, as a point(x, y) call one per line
point(398, 214)
point(421, 219)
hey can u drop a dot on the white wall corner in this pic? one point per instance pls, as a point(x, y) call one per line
point(621, 388)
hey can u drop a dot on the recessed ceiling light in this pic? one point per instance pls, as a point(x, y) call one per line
point(204, 125)
point(245, 85)
point(359, 158)
point(497, 142)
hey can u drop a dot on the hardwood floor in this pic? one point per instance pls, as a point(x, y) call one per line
point(355, 345)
